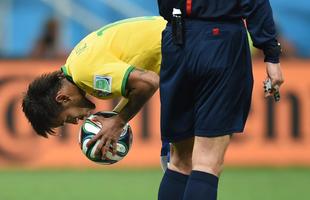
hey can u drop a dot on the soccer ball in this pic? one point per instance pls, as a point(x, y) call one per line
point(91, 127)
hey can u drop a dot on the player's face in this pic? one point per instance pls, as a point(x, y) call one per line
point(78, 107)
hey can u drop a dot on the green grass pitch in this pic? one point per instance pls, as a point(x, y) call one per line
point(236, 184)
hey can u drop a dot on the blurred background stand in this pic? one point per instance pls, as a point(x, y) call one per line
point(47, 46)
point(271, 161)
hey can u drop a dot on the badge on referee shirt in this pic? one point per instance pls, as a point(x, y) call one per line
point(102, 85)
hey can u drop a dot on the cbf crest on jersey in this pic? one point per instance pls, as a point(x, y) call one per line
point(102, 85)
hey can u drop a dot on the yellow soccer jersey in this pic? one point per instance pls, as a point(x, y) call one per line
point(101, 63)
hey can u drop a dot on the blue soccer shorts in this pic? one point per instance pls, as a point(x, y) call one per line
point(206, 84)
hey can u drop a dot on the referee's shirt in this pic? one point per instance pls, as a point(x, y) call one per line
point(258, 15)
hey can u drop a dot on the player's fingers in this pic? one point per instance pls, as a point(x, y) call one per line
point(93, 140)
point(114, 144)
point(99, 147)
point(105, 148)
point(95, 119)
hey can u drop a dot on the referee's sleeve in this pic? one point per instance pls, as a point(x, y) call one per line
point(260, 23)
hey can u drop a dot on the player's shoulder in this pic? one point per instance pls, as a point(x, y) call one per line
point(135, 21)
point(151, 19)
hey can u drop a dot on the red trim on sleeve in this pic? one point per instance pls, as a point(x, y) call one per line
point(189, 4)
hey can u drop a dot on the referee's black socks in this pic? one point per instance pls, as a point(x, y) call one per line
point(172, 186)
point(201, 186)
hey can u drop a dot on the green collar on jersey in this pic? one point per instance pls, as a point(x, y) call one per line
point(68, 77)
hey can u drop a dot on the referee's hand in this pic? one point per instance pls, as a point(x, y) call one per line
point(274, 73)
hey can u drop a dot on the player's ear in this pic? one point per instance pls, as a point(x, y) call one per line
point(62, 98)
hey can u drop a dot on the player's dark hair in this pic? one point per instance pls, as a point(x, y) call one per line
point(39, 104)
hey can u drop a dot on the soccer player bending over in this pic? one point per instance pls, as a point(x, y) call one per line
point(119, 60)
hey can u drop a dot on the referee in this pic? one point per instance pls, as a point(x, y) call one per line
point(206, 86)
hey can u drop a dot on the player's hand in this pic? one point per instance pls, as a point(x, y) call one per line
point(274, 73)
point(108, 135)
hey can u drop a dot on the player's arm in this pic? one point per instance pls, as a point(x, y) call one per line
point(121, 104)
point(141, 85)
